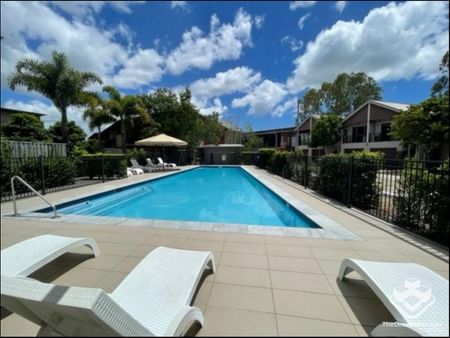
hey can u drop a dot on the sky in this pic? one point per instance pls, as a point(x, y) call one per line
point(247, 60)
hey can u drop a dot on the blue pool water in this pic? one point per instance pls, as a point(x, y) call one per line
point(205, 194)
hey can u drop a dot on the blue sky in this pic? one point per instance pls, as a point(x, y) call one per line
point(250, 61)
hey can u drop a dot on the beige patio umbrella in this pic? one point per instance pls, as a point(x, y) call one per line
point(161, 140)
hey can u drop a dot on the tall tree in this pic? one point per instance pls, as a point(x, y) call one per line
point(424, 125)
point(77, 136)
point(56, 80)
point(348, 92)
point(251, 140)
point(327, 131)
point(310, 103)
point(25, 127)
point(440, 88)
point(98, 114)
point(210, 128)
point(125, 109)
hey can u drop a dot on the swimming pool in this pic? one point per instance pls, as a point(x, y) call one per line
point(204, 194)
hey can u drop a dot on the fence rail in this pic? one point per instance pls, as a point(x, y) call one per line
point(48, 174)
point(411, 194)
point(35, 149)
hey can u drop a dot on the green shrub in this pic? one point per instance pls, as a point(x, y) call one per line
point(115, 165)
point(422, 200)
point(136, 153)
point(264, 157)
point(247, 157)
point(333, 174)
point(279, 163)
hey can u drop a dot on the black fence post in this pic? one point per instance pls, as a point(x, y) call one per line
point(103, 169)
point(305, 174)
point(350, 182)
point(42, 174)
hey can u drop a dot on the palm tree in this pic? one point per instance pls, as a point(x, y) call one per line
point(56, 80)
point(125, 108)
point(98, 115)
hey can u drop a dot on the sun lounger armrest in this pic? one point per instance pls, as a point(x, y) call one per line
point(183, 320)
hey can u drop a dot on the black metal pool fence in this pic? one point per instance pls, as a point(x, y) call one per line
point(411, 194)
point(48, 174)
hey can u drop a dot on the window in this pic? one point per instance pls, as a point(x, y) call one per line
point(359, 134)
point(385, 131)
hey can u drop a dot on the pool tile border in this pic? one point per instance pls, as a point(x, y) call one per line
point(329, 228)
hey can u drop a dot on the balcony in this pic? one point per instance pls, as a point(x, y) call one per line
point(362, 139)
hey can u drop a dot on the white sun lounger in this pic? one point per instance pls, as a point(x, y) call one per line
point(136, 165)
point(154, 299)
point(164, 164)
point(416, 296)
point(152, 165)
point(24, 258)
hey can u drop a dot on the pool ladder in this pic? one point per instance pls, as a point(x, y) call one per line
point(13, 191)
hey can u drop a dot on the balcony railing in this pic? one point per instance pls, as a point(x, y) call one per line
point(362, 139)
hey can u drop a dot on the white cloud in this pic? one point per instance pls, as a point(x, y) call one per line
point(89, 8)
point(224, 42)
point(262, 99)
point(301, 21)
point(178, 4)
point(397, 41)
point(340, 5)
point(301, 4)
point(141, 69)
point(259, 21)
point(52, 114)
point(234, 80)
point(294, 44)
point(288, 106)
point(215, 107)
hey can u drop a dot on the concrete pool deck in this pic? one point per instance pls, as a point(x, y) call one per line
point(264, 284)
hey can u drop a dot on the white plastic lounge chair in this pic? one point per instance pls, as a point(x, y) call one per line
point(154, 299)
point(162, 163)
point(152, 165)
point(416, 296)
point(136, 165)
point(24, 258)
point(137, 171)
point(129, 172)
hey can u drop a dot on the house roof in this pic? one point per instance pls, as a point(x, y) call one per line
point(13, 111)
point(389, 105)
point(314, 116)
point(271, 131)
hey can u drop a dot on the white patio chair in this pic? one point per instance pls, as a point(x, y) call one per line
point(154, 299)
point(167, 165)
point(153, 166)
point(24, 258)
point(416, 296)
point(136, 165)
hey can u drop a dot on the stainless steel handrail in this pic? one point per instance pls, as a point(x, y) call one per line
point(55, 213)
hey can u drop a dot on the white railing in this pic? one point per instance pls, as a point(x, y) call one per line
point(13, 191)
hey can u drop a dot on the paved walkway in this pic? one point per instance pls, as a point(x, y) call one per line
point(264, 285)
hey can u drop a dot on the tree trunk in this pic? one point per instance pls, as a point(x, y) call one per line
point(122, 131)
point(100, 143)
point(64, 130)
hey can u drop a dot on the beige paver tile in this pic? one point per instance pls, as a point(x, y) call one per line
point(241, 297)
point(127, 239)
point(127, 264)
point(291, 241)
point(309, 305)
point(244, 260)
point(333, 254)
point(202, 296)
point(329, 267)
point(110, 281)
point(369, 312)
point(297, 326)
point(246, 238)
point(294, 264)
point(172, 242)
point(102, 262)
point(327, 243)
point(300, 282)
point(383, 256)
point(118, 249)
point(288, 251)
point(16, 326)
point(204, 245)
point(172, 233)
point(353, 286)
point(243, 276)
point(81, 277)
point(234, 322)
point(142, 251)
point(247, 248)
point(209, 235)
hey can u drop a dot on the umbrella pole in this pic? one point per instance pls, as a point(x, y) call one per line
point(164, 159)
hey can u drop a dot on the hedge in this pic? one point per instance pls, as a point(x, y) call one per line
point(115, 165)
point(264, 157)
